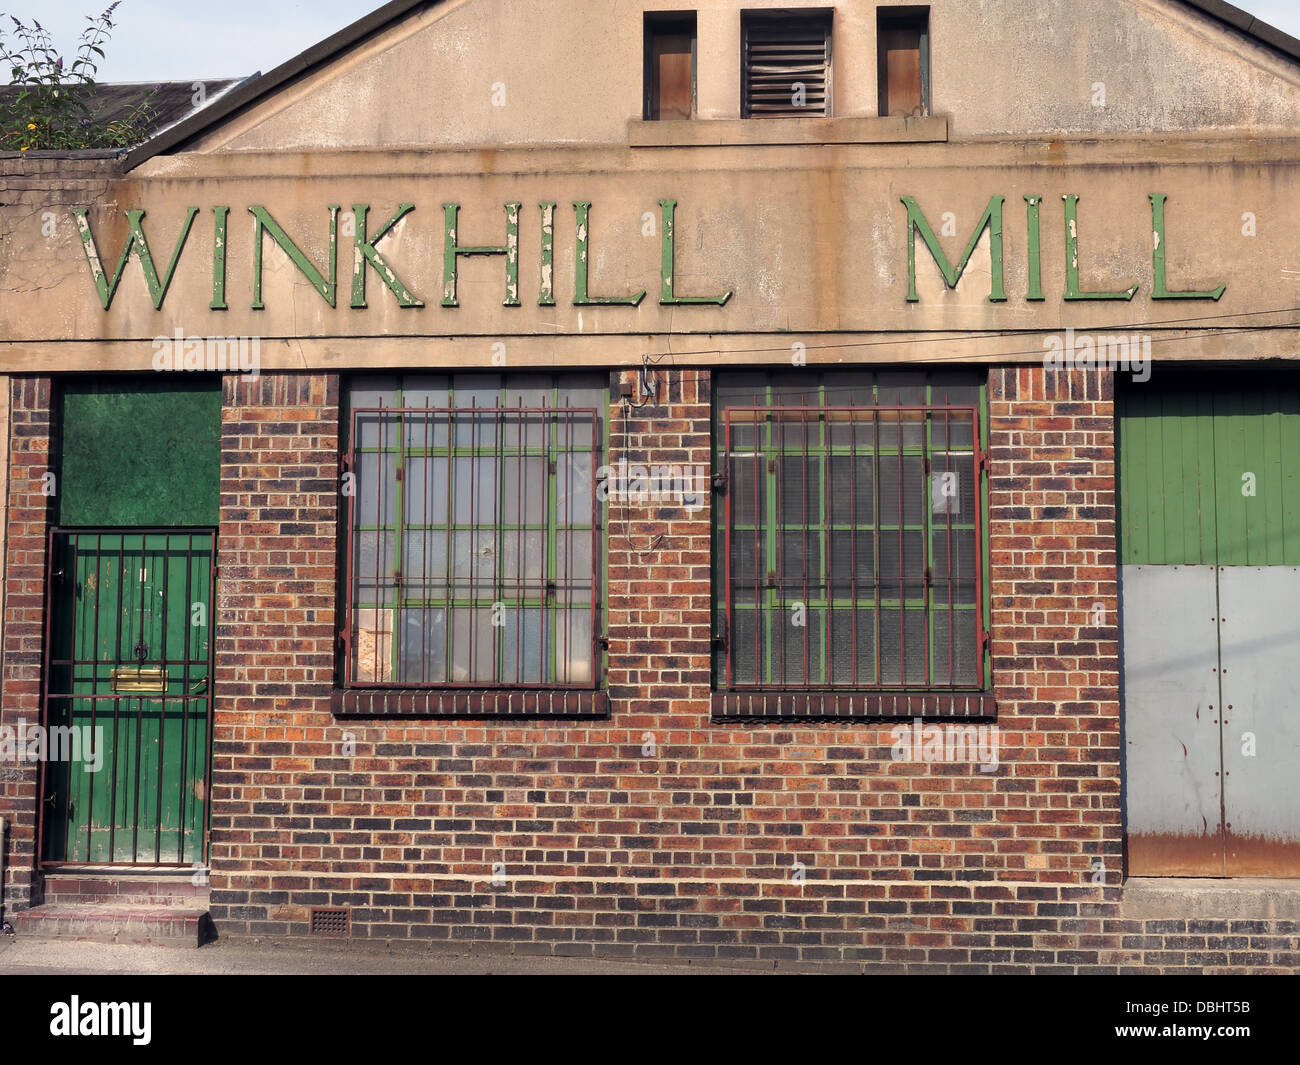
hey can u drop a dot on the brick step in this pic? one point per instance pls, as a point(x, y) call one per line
point(116, 923)
point(128, 889)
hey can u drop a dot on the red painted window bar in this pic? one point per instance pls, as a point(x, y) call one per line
point(473, 547)
point(852, 548)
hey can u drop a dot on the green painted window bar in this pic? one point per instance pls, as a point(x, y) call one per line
point(475, 537)
point(848, 542)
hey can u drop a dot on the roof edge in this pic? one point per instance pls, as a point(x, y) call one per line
point(258, 88)
point(1264, 32)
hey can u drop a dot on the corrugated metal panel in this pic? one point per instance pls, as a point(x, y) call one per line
point(1171, 695)
point(1259, 635)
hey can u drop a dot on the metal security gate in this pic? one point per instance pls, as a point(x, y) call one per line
point(128, 702)
point(1210, 577)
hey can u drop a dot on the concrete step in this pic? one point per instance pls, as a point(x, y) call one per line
point(116, 923)
point(128, 889)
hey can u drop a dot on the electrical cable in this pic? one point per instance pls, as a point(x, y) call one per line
point(1204, 330)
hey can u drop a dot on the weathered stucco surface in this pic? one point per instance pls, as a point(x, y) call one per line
point(811, 239)
point(812, 243)
point(572, 73)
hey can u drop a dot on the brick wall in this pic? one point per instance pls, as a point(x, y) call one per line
point(275, 624)
point(658, 832)
point(30, 510)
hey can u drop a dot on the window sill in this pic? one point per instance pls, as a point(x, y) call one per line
point(706, 133)
point(388, 702)
point(769, 704)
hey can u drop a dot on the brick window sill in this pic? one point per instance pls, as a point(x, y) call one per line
point(417, 703)
point(715, 132)
point(793, 705)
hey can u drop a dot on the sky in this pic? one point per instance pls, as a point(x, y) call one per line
point(180, 40)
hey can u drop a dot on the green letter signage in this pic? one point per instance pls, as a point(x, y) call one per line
point(267, 224)
point(219, 228)
point(1032, 209)
point(136, 243)
point(580, 296)
point(1159, 291)
point(991, 220)
point(546, 282)
point(667, 299)
point(365, 253)
point(1072, 259)
point(452, 252)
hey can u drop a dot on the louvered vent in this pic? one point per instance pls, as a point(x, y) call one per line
point(787, 66)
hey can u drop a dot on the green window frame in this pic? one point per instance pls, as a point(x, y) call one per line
point(849, 547)
point(475, 544)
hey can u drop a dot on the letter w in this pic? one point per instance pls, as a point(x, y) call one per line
point(136, 243)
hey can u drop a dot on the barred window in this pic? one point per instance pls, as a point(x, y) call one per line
point(474, 533)
point(847, 545)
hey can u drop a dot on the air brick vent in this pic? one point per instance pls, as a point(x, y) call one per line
point(330, 922)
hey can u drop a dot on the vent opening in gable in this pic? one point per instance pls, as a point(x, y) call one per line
point(786, 65)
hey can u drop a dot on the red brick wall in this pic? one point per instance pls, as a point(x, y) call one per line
point(1052, 552)
point(782, 840)
point(275, 618)
point(777, 841)
point(30, 512)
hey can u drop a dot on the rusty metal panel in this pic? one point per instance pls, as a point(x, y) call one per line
point(786, 64)
point(1259, 638)
point(1171, 732)
point(672, 71)
point(900, 71)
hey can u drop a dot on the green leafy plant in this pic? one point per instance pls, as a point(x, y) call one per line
point(51, 108)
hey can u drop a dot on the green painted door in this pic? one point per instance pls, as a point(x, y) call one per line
point(129, 697)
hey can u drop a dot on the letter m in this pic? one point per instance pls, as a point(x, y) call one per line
point(135, 244)
point(991, 220)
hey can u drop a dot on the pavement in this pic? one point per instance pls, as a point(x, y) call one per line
point(32, 956)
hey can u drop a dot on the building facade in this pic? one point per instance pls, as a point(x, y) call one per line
point(808, 484)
